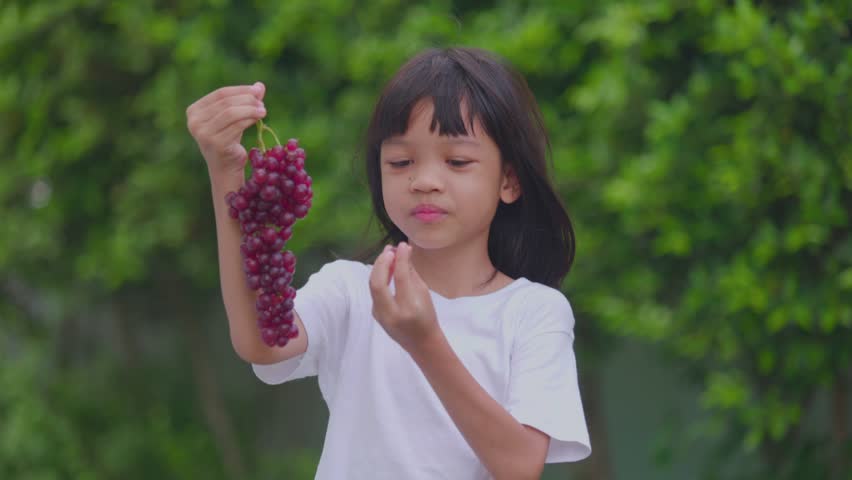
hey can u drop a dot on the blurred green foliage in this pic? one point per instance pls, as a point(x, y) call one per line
point(703, 149)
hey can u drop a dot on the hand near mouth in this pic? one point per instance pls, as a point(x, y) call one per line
point(408, 316)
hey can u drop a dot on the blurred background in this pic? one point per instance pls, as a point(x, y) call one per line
point(702, 148)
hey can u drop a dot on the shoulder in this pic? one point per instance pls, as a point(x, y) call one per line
point(346, 267)
point(544, 308)
point(342, 272)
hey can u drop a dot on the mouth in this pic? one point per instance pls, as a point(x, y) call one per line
point(428, 213)
point(429, 217)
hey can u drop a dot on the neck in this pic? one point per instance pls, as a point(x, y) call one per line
point(457, 271)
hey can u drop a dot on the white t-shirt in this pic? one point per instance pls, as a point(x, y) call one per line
point(386, 422)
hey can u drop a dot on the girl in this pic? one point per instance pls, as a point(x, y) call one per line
point(451, 356)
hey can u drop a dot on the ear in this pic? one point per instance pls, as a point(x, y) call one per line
point(510, 187)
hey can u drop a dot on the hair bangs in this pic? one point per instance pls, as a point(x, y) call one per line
point(438, 79)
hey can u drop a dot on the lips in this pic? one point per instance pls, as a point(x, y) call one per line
point(428, 213)
point(425, 209)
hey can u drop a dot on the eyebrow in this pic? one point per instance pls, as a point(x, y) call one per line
point(450, 141)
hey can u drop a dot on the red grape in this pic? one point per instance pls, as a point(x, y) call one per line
point(276, 195)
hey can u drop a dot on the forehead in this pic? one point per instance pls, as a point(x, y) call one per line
point(462, 128)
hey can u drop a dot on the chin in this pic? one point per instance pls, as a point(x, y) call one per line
point(427, 245)
point(429, 241)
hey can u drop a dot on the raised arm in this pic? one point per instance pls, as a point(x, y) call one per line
point(217, 122)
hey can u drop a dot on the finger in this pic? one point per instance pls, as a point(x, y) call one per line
point(382, 298)
point(212, 132)
point(393, 263)
point(197, 119)
point(208, 100)
point(259, 90)
point(237, 128)
point(231, 115)
point(256, 89)
point(402, 272)
point(206, 114)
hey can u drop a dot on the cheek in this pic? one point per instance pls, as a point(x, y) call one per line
point(478, 189)
point(482, 197)
point(391, 196)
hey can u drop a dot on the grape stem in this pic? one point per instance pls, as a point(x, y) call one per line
point(260, 129)
point(277, 142)
point(260, 135)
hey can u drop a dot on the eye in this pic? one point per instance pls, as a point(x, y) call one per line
point(399, 163)
point(458, 163)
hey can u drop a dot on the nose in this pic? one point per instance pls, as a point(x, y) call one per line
point(426, 178)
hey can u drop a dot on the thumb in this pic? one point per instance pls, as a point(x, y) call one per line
point(259, 90)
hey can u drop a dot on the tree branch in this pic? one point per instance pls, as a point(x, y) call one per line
point(840, 424)
point(207, 387)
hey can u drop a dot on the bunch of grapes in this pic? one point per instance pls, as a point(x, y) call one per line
point(277, 193)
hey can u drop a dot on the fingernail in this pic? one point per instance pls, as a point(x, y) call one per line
point(261, 110)
point(256, 87)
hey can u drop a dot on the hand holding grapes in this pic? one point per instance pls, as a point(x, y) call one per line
point(276, 194)
point(408, 316)
point(217, 122)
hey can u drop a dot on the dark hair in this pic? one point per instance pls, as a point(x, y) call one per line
point(531, 237)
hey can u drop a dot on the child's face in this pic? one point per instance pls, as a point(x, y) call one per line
point(461, 176)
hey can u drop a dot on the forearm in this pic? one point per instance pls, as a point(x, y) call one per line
point(507, 448)
point(239, 299)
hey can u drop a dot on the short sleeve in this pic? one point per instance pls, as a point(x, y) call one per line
point(322, 304)
point(543, 386)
